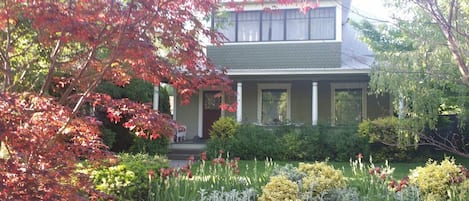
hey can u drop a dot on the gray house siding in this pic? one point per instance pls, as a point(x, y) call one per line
point(276, 55)
point(188, 116)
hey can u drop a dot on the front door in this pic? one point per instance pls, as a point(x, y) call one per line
point(211, 111)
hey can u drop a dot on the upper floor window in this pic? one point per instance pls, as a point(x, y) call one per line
point(290, 25)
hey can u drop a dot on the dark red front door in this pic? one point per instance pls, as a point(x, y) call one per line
point(211, 111)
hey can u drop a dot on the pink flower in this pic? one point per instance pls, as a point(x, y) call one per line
point(203, 156)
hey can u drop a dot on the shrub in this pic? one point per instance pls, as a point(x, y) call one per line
point(321, 177)
point(343, 143)
point(279, 189)
point(127, 180)
point(256, 142)
point(108, 136)
point(157, 146)
point(224, 128)
point(436, 181)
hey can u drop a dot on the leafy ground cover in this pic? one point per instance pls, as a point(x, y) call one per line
point(229, 178)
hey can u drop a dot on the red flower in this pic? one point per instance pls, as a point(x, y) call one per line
point(203, 156)
point(392, 184)
point(151, 174)
point(189, 174)
point(359, 155)
point(191, 158)
point(236, 158)
point(383, 176)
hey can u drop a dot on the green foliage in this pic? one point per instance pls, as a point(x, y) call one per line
point(163, 103)
point(137, 90)
point(202, 180)
point(342, 143)
point(108, 136)
point(436, 180)
point(289, 142)
point(412, 66)
point(252, 142)
point(280, 188)
point(381, 129)
point(321, 177)
point(158, 146)
point(224, 128)
point(127, 180)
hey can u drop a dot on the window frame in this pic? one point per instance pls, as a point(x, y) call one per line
point(265, 17)
point(274, 86)
point(349, 85)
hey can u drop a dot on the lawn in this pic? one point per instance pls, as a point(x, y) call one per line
point(401, 169)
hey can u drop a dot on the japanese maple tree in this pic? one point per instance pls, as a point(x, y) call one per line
point(55, 53)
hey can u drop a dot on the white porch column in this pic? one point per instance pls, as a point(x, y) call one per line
point(239, 102)
point(156, 97)
point(314, 104)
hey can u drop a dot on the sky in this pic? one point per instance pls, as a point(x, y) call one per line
point(370, 9)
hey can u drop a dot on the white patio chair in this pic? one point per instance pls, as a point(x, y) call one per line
point(181, 133)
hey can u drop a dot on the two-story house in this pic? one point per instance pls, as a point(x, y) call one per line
point(289, 65)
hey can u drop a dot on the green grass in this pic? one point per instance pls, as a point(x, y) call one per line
point(401, 169)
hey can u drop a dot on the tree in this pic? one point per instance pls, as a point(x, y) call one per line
point(416, 65)
point(55, 53)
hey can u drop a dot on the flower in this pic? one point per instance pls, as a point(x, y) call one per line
point(151, 174)
point(359, 155)
point(191, 158)
point(203, 156)
point(392, 184)
point(189, 174)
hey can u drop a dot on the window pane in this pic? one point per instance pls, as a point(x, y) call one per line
point(348, 106)
point(249, 26)
point(274, 105)
point(272, 26)
point(297, 25)
point(323, 23)
point(225, 24)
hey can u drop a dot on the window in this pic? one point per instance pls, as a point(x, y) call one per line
point(277, 25)
point(225, 24)
point(249, 26)
point(274, 103)
point(297, 25)
point(322, 24)
point(273, 26)
point(348, 103)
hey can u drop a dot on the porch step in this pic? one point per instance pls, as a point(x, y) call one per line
point(184, 150)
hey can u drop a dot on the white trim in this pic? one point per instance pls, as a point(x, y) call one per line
point(201, 115)
point(349, 85)
point(298, 71)
point(338, 21)
point(156, 97)
point(314, 104)
point(175, 105)
point(279, 42)
point(260, 87)
point(239, 102)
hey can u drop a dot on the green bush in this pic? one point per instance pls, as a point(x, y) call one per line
point(127, 180)
point(224, 128)
point(108, 136)
point(289, 142)
point(280, 188)
point(342, 143)
point(157, 146)
point(320, 177)
point(439, 181)
point(256, 142)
